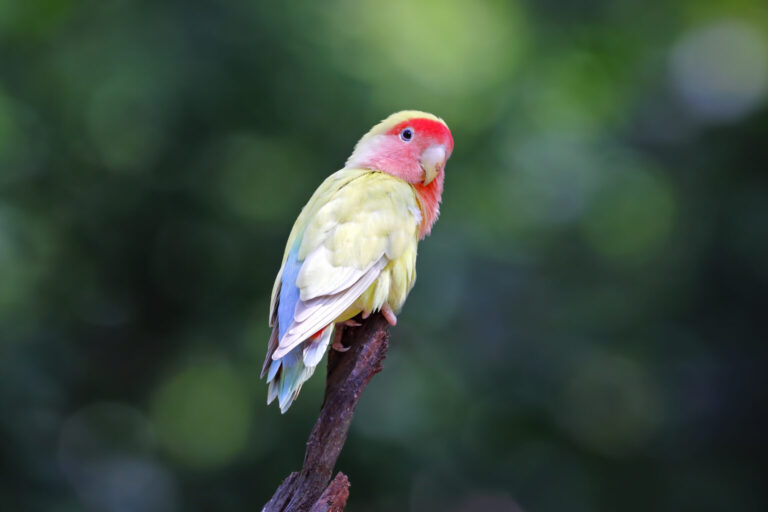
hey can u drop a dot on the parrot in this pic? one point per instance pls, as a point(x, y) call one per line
point(353, 247)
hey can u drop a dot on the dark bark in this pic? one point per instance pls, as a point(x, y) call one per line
point(348, 374)
point(334, 498)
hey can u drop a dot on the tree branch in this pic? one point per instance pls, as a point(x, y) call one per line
point(348, 374)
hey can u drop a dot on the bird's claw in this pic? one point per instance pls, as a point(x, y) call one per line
point(338, 347)
point(389, 315)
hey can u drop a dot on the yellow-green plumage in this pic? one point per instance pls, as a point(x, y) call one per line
point(359, 224)
point(358, 216)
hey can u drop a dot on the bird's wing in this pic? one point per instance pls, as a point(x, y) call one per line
point(328, 188)
point(350, 236)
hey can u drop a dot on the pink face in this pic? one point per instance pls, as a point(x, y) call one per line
point(415, 150)
point(421, 147)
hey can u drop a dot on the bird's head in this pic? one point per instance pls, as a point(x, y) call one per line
point(411, 145)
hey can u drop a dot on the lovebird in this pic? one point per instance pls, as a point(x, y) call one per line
point(353, 247)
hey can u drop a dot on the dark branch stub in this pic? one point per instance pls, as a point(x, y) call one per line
point(348, 374)
point(335, 495)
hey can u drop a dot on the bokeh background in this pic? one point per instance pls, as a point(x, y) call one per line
point(588, 328)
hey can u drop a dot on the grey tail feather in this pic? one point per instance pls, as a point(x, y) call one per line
point(271, 347)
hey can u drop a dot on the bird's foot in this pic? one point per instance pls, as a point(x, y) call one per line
point(351, 323)
point(336, 345)
point(389, 314)
point(366, 314)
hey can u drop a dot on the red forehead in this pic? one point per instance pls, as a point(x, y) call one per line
point(426, 128)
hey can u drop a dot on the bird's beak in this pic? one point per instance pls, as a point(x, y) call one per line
point(432, 161)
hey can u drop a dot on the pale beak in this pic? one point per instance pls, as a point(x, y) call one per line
point(432, 160)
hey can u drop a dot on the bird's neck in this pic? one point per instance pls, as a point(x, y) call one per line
point(429, 197)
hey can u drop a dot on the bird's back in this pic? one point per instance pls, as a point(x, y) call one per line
point(357, 214)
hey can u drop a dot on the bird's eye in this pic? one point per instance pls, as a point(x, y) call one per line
point(406, 134)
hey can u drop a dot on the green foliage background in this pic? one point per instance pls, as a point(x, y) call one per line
point(588, 328)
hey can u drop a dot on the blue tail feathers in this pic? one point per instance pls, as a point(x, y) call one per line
point(287, 374)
